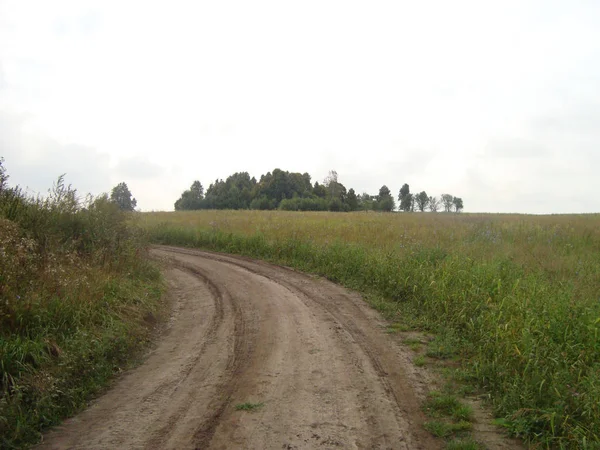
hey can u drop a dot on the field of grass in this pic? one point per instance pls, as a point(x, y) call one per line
point(78, 300)
point(517, 297)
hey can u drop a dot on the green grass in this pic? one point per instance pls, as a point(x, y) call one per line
point(444, 346)
point(248, 406)
point(398, 327)
point(444, 404)
point(445, 429)
point(452, 417)
point(413, 343)
point(464, 444)
point(514, 298)
point(419, 361)
point(78, 300)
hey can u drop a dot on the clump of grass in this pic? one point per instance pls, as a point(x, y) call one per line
point(453, 417)
point(441, 404)
point(443, 346)
point(464, 444)
point(77, 298)
point(248, 406)
point(419, 361)
point(521, 292)
point(398, 327)
point(445, 429)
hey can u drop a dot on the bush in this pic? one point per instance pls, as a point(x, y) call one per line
point(74, 290)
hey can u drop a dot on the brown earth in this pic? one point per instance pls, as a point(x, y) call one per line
point(311, 352)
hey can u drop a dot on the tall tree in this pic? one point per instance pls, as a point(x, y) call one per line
point(121, 195)
point(331, 176)
point(192, 198)
point(366, 202)
point(385, 200)
point(448, 202)
point(319, 190)
point(3, 175)
point(352, 200)
point(434, 204)
point(405, 198)
point(335, 189)
point(458, 204)
point(422, 200)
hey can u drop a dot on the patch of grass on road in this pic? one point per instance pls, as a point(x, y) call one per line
point(248, 406)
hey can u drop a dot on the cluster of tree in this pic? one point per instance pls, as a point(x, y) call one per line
point(293, 191)
point(412, 202)
point(121, 195)
point(279, 189)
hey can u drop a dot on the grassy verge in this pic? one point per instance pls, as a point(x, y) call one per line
point(77, 300)
point(516, 299)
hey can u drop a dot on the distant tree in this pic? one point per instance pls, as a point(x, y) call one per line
point(121, 195)
point(405, 198)
point(319, 190)
point(366, 202)
point(335, 189)
point(384, 192)
point(197, 189)
point(422, 200)
point(192, 198)
point(434, 204)
point(385, 200)
point(448, 202)
point(352, 200)
point(262, 203)
point(282, 184)
point(335, 205)
point(3, 175)
point(332, 176)
point(458, 204)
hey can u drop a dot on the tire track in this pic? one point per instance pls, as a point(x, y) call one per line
point(312, 353)
point(406, 400)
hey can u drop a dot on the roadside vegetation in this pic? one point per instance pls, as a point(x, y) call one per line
point(513, 297)
point(78, 298)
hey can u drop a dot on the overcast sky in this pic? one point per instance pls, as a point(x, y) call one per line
point(497, 102)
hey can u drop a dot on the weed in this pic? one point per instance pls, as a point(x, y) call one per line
point(445, 429)
point(399, 327)
point(463, 412)
point(464, 444)
point(419, 361)
point(446, 405)
point(443, 347)
point(248, 406)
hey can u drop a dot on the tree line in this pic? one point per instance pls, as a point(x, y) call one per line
point(289, 191)
point(293, 191)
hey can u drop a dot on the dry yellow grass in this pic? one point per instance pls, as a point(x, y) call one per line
point(564, 245)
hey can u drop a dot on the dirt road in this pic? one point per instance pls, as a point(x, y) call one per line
point(312, 355)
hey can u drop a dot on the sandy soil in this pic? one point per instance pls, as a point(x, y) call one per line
point(312, 353)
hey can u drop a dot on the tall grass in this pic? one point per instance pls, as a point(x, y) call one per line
point(519, 293)
point(77, 297)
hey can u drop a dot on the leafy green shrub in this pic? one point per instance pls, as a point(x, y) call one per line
point(75, 290)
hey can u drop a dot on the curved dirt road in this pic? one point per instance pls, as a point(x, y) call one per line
point(312, 353)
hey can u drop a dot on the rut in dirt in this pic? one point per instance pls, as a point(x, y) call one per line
point(313, 355)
